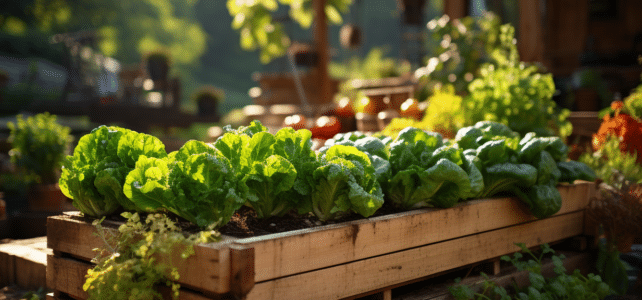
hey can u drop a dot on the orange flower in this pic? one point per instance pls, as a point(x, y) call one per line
point(617, 105)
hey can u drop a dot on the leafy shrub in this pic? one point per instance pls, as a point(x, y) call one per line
point(39, 146)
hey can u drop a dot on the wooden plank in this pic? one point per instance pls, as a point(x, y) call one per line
point(8, 270)
point(70, 277)
point(378, 272)
point(293, 252)
point(207, 270)
point(530, 39)
point(241, 270)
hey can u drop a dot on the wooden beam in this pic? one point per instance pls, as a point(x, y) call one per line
point(369, 274)
point(456, 9)
point(321, 45)
point(530, 37)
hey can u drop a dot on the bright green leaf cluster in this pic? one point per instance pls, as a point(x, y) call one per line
point(269, 165)
point(195, 182)
point(132, 269)
point(38, 146)
point(95, 174)
point(253, 20)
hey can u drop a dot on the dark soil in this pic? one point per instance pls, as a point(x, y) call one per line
point(244, 222)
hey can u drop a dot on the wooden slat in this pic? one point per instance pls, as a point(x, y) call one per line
point(207, 270)
point(293, 252)
point(378, 272)
point(67, 275)
point(241, 270)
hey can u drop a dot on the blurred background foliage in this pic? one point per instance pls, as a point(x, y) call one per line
point(199, 34)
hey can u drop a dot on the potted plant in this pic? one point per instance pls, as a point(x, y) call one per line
point(158, 63)
point(207, 99)
point(39, 145)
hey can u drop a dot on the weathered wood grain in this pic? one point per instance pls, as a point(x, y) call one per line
point(293, 252)
point(378, 272)
point(208, 270)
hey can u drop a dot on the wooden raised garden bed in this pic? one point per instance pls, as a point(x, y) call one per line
point(338, 260)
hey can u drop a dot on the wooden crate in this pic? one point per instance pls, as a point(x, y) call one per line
point(342, 260)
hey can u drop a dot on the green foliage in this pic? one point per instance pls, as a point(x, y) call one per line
point(427, 173)
point(561, 286)
point(529, 168)
point(342, 180)
point(253, 20)
point(374, 65)
point(95, 174)
point(480, 57)
point(611, 268)
point(519, 97)
point(196, 182)
point(38, 146)
point(130, 265)
point(612, 165)
point(461, 47)
point(272, 166)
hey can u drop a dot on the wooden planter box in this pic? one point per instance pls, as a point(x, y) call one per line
point(340, 260)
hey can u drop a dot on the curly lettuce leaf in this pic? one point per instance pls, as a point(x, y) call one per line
point(101, 160)
point(268, 182)
point(344, 181)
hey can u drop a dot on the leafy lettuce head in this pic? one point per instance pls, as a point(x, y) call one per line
point(94, 175)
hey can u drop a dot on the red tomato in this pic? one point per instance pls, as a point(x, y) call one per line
point(295, 121)
point(344, 108)
point(410, 109)
point(326, 127)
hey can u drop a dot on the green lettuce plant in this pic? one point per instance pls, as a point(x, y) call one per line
point(529, 168)
point(195, 182)
point(425, 172)
point(95, 174)
point(343, 181)
point(269, 165)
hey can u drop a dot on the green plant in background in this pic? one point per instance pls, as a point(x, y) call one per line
point(258, 29)
point(374, 65)
point(561, 286)
point(128, 267)
point(612, 165)
point(39, 145)
point(461, 47)
point(516, 95)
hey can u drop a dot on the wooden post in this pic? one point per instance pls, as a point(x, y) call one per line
point(321, 45)
point(456, 9)
point(530, 39)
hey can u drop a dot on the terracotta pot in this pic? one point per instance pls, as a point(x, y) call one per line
point(47, 197)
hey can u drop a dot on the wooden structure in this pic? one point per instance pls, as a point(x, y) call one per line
point(567, 35)
point(339, 260)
